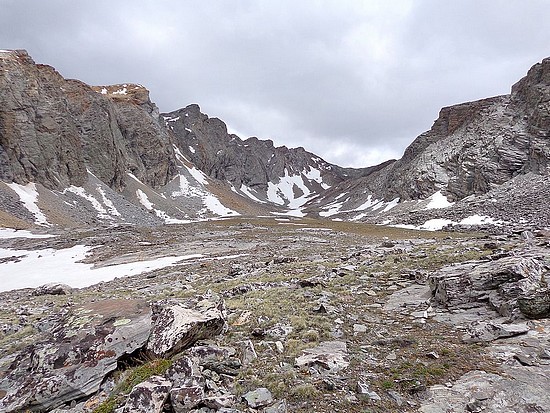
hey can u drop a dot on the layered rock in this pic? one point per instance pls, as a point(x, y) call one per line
point(53, 130)
point(471, 149)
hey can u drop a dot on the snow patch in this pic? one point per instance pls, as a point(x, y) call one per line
point(332, 209)
point(36, 268)
point(438, 201)
point(28, 195)
point(392, 204)
point(248, 192)
point(7, 233)
point(101, 211)
point(191, 149)
point(215, 206)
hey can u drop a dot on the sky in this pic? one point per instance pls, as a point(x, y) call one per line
point(354, 81)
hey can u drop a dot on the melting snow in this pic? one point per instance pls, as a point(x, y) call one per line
point(333, 209)
point(121, 91)
point(107, 202)
point(36, 268)
point(29, 196)
point(284, 190)
point(215, 206)
point(480, 220)
point(248, 192)
point(104, 91)
point(101, 211)
point(392, 204)
point(197, 174)
point(142, 197)
point(6, 233)
point(439, 223)
point(438, 201)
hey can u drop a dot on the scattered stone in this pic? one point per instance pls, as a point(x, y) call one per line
point(279, 407)
point(363, 389)
point(489, 331)
point(187, 396)
point(53, 289)
point(247, 352)
point(330, 356)
point(260, 397)
point(149, 396)
point(359, 328)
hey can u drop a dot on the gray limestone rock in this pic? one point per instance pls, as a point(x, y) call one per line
point(535, 305)
point(258, 398)
point(79, 350)
point(52, 289)
point(327, 357)
point(499, 282)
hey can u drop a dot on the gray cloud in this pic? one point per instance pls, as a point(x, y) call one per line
point(353, 81)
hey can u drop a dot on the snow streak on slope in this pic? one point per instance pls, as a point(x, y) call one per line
point(106, 210)
point(248, 192)
point(199, 190)
point(291, 190)
point(29, 197)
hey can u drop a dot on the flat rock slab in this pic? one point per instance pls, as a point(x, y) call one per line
point(477, 391)
point(258, 398)
point(73, 358)
point(329, 355)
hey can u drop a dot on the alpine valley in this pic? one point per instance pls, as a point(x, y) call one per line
point(154, 262)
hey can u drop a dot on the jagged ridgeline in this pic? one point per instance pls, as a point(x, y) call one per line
point(73, 154)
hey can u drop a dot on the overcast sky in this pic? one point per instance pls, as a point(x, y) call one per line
point(352, 81)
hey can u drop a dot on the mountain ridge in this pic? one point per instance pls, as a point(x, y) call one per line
point(60, 135)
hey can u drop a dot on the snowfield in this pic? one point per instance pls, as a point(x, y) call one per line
point(31, 269)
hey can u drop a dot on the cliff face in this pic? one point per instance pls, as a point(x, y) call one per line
point(474, 146)
point(53, 130)
point(39, 140)
point(67, 136)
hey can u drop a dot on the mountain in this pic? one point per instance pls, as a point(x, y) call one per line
point(73, 154)
point(473, 149)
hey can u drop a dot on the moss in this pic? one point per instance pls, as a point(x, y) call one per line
point(132, 378)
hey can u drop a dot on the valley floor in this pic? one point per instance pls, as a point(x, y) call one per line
point(327, 316)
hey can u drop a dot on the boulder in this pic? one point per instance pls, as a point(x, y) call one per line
point(149, 396)
point(327, 357)
point(536, 305)
point(499, 283)
point(52, 289)
point(178, 326)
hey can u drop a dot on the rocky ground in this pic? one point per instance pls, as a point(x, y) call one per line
point(285, 315)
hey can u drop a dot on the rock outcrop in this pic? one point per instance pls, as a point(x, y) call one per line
point(82, 347)
point(472, 149)
point(52, 130)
